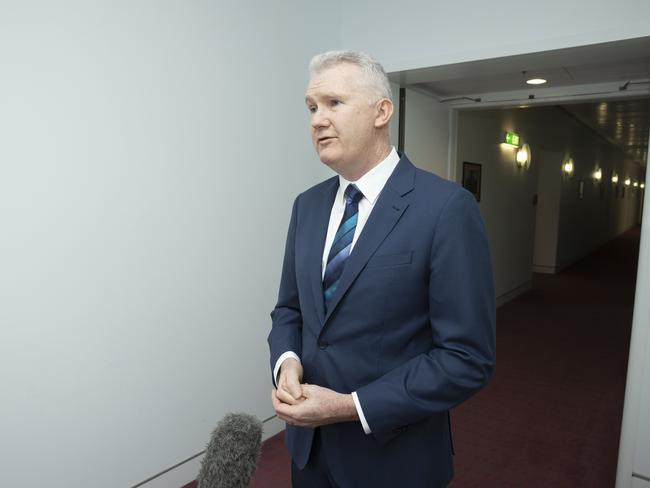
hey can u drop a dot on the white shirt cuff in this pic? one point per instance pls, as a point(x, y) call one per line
point(362, 417)
point(278, 363)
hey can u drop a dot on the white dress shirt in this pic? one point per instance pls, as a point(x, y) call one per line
point(371, 184)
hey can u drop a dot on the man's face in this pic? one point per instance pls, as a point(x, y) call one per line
point(342, 119)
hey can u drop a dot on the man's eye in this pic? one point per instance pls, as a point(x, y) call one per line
point(335, 102)
point(312, 109)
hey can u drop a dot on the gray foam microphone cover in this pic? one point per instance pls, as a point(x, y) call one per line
point(232, 453)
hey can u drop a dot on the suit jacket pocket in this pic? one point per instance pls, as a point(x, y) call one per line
point(387, 260)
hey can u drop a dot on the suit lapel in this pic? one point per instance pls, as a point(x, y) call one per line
point(317, 235)
point(386, 213)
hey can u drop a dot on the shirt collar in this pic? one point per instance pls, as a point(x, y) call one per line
point(372, 183)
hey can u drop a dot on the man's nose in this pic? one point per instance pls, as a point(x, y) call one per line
point(319, 118)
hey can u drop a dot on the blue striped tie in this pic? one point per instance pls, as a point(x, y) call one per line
point(342, 243)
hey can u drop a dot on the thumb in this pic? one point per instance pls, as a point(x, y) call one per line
point(294, 388)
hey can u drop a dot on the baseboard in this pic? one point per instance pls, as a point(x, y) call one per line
point(187, 471)
point(177, 477)
point(540, 268)
point(514, 293)
point(272, 426)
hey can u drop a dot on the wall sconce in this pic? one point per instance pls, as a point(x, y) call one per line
point(523, 156)
point(627, 181)
point(614, 178)
point(567, 167)
point(598, 174)
point(642, 186)
point(635, 184)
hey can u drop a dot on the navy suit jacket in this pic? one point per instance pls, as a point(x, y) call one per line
point(410, 328)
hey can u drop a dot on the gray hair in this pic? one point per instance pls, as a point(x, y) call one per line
point(374, 73)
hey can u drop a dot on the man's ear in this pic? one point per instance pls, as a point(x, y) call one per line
point(384, 111)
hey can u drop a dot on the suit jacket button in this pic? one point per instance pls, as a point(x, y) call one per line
point(323, 345)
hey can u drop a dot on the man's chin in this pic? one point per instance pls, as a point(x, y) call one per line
point(328, 159)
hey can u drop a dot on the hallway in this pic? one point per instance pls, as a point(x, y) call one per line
point(551, 416)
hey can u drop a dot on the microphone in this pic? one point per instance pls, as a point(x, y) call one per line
point(232, 453)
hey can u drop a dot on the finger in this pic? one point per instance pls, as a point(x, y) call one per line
point(294, 388)
point(292, 421)
point(285, 397)
point(284, 414)
point(281, 408)
point(278, 404)
point(284, 418)
point(288, 396)
point(274, 399)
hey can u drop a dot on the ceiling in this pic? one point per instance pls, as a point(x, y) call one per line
point(624, 123)
point(624, 64)
point(619, 61)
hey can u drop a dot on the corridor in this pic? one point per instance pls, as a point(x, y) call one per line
point(551, 416)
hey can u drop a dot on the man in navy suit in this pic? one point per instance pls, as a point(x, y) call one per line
point(385, 317)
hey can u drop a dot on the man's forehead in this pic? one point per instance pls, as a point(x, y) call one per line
point(333, 80)
point(323, 87)
point(317, 83)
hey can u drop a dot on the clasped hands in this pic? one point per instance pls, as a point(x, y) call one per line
point(307, 405)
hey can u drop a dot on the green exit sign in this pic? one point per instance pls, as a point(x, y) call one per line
point(512, 138)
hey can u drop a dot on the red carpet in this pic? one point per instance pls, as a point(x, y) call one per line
point(551, 416)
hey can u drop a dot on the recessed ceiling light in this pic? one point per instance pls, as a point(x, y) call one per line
point(536, 81)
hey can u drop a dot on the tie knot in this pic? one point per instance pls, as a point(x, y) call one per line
point(353, 194)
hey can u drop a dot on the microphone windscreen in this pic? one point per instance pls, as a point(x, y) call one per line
point(232, 453)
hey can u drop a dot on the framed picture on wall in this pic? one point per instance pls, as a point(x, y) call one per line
point(472, 179)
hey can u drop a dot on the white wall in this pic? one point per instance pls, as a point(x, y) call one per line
point(634, 448)
point(547, 217)
point(149, 155)
point(426, 133)
point(394, 121)
point(422, 33)
point(506, 195)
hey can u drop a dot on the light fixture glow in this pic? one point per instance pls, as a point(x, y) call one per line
point(567, 167)
point(598, 174)
point(614, 178)
point(642, 185)
point(627, 181)
point(536, 81)
point(523, 156)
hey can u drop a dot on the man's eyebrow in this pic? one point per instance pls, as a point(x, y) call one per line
point(310, 99)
